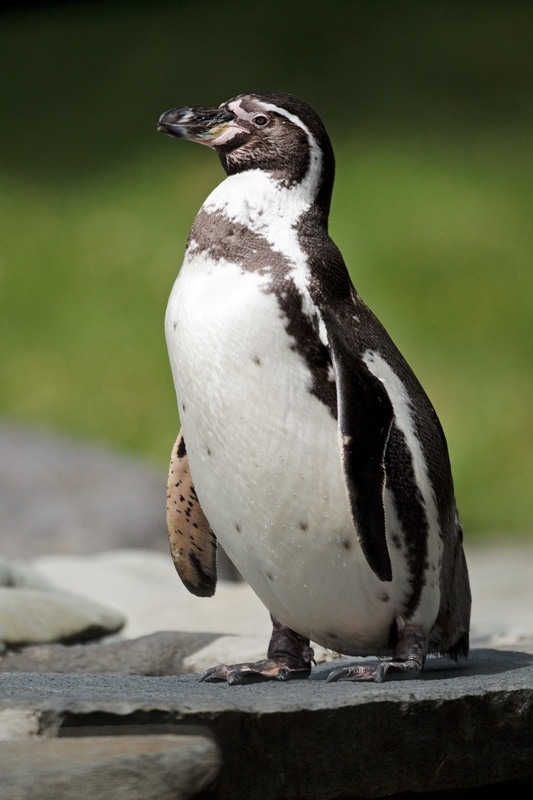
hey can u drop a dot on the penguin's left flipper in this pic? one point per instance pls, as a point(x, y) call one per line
point(289, 657)
point(193, 544)
point(409, 657)
point(365, 417)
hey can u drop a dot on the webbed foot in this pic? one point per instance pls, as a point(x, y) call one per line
point(409, 657)
point(271, 669)
point(289, 657)
point(375, 672)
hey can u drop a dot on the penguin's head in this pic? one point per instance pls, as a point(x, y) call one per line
point(276, 133)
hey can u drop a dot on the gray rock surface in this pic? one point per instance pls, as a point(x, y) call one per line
point(455, 726)
point(36, 615)
point(108, 768)
point(160, 653)
point(58, 495)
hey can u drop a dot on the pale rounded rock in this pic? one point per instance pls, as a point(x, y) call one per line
point(34, 616)
point(144, 586)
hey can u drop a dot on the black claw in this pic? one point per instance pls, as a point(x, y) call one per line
point(236, 678)
point(209, 676)
point(338, 674)
point(381, 672)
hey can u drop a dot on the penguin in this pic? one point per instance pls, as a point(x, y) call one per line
point(307, 447)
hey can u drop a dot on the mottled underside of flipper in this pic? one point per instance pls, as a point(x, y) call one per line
point(193, 544)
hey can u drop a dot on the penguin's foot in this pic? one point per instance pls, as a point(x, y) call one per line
point(409, 657)
point(271, 669)
point(289, 657)
point(376, 672)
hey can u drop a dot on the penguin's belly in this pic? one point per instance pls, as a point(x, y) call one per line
point(265, 460)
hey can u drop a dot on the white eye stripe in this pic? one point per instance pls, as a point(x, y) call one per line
point(292, 117)
point(315, 153)
point(237, 108)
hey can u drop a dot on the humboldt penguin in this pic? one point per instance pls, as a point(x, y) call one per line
point(308, 447)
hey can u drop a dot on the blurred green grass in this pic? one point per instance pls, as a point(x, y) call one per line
point(432, 211)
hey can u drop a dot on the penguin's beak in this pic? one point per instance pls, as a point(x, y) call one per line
point(210, 126)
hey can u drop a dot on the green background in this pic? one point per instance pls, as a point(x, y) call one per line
point(430, 109)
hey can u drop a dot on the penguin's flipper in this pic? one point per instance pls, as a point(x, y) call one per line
point(365, 417)
point(193, 544)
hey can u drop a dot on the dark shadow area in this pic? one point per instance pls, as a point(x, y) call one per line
point(84, 84)
point(495, 791)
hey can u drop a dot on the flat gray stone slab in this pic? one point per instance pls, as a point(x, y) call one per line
point(108, 768)
point(455, 726)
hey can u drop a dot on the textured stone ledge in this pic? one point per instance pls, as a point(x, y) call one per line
point(456, 726)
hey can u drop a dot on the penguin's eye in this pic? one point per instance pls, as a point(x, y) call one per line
point(260, 120)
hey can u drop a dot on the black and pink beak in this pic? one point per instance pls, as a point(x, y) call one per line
point(210, 126)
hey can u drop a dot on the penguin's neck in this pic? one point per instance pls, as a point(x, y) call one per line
point(254, 193)
point(255, 199)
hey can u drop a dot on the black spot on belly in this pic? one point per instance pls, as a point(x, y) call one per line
point(237, 527)
point(384, 597)
point(269, 576)
point(184, 408)
point(208, 451)
point(333, 636)
point(346, 544)
point(256, 360)
point(304, 526)
point(396, 541)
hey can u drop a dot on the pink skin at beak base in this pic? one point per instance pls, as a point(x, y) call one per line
point(220, 134)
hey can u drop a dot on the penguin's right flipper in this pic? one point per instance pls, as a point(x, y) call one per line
point(365, 416)
point(193, 544)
